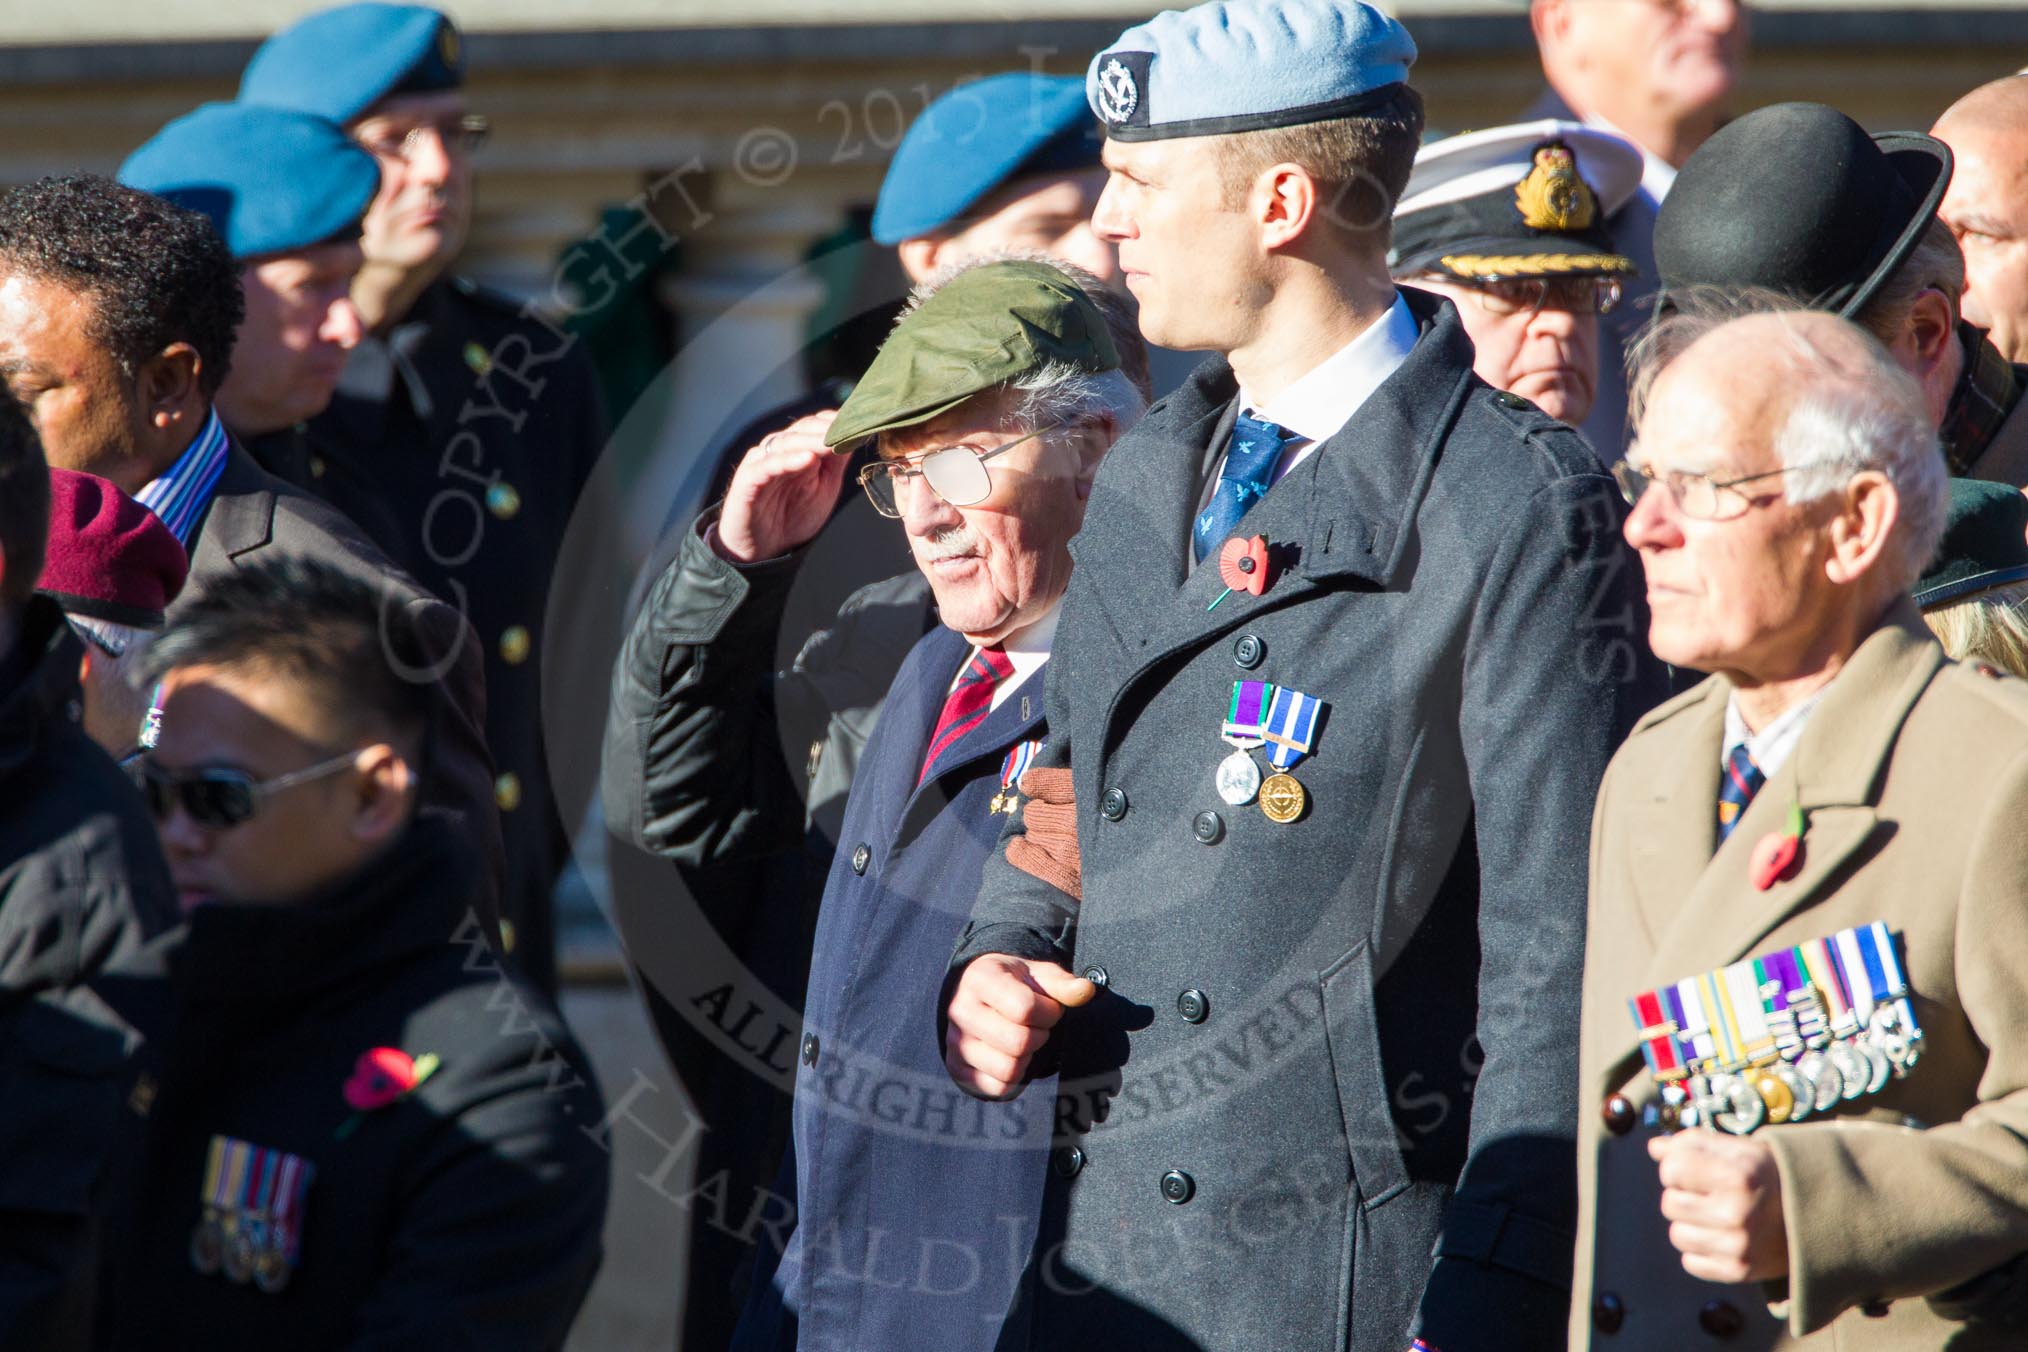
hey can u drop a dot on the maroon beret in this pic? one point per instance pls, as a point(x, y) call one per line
point(109, 557)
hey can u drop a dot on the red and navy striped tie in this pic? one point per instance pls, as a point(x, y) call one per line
point(1741, 781)
point(968, 703)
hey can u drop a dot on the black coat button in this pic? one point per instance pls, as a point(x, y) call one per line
point(1607, 1313)
point(1511, 399)
point(1248, 650)
point(1096, 975)
point(1114, 805)
point(1618, 1115)
point(809, 1049)
point(1066, 1160)
point(1209, 828)
point(1721, 1320)
point(1194, 1005)
point(861, 857)
point(1178, 1187)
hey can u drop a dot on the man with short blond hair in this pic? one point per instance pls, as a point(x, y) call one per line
point(1806, 907)
point(1345, 649)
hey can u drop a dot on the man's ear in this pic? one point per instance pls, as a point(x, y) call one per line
point(170, 384)
point(1931, 329)
point(1285, 204)
point(1095, 436)
point(920, 257)
point(1866, 513)
point(387, 788)
point(1550, 20)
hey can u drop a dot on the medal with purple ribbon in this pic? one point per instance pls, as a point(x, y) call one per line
point(1238, 776)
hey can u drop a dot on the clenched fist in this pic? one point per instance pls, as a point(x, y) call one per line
point(783, 492)
point(1722, 1197)
point(1000, 1015)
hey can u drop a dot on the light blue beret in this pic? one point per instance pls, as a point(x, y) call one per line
point(272, 181)
point(976, 137)
point(1247, 65)
point(340, 62)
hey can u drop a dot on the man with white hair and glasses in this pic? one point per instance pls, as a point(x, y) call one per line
point(1801, 1052)
point(990, 406)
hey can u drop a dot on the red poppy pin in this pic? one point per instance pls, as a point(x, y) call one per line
point(1776, 854)
point(383, 1076)
point(1242, 566)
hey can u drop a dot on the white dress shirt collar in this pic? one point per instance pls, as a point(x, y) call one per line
point(1771, 746)
point(1325, 398)
point(1027, 651)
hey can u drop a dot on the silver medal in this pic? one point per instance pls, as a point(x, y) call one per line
point(1852, 1068)
point(1238, 779)
point(1818, 1070)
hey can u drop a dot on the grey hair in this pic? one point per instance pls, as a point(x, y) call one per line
point(1853, 409)
point(1057, 392)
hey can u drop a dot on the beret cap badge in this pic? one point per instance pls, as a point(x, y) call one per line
point(1553, 196)
point(1117, 95)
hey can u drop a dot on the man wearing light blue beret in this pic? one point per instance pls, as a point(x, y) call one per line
point(286, 191)
point(464, 428)
point(1350, 639)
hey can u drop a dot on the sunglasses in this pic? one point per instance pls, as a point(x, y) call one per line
point(219, 797)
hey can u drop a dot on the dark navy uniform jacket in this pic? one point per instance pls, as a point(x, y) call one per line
point(1327, 1096)
point(461, 445)
point(916, 1203)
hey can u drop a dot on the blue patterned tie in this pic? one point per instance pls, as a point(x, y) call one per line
point(1741, 781)
point(1248, 474)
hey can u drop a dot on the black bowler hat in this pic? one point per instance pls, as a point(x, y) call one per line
point(1985, 544)
point(1798, 199)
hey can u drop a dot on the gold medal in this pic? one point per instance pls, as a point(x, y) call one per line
point(1776, 1095)
point(1282, 798)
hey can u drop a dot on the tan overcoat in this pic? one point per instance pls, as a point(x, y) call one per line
point(1913, 773)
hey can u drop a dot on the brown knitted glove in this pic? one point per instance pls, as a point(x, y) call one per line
point(1049, 849)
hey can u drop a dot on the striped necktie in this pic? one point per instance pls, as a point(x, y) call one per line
point(968, 703)
point(1248, 474)
point(1736, 788)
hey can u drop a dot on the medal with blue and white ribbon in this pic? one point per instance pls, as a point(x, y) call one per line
point(1286, 733)
point(1238, 776)
point(1011, 769)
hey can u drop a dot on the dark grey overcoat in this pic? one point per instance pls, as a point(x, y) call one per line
point(1325, 1097)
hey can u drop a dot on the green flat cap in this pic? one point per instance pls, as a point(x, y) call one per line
point(985, 327)
point(1985, 543)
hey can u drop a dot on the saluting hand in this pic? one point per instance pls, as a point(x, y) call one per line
point(1000, 1015)
point(782, 493)
point(1722, 1197)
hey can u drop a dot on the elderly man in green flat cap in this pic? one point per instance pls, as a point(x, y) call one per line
point(990, 406)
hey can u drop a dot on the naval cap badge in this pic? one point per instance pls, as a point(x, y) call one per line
point(1553, 196)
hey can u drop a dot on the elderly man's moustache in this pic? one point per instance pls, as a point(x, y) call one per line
point(951, 544)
